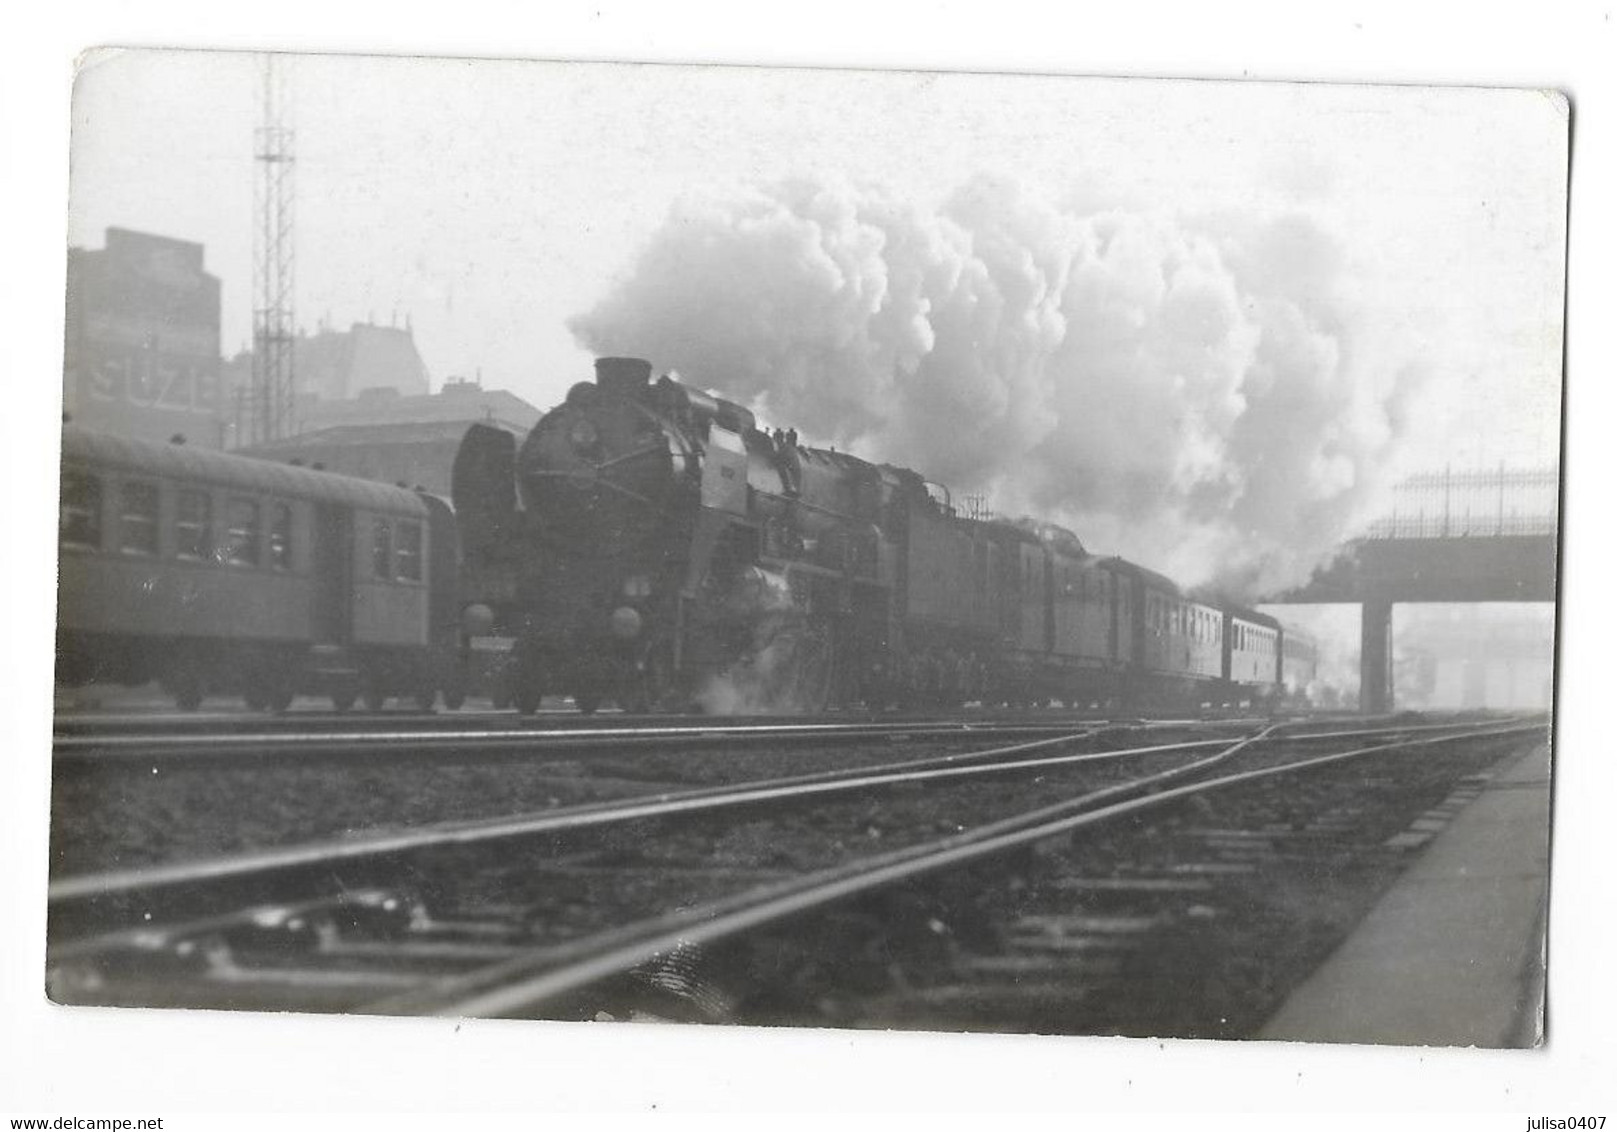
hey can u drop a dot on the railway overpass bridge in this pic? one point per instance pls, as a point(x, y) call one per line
point(1453, 537)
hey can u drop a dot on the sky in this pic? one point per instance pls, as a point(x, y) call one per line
point(493, 202)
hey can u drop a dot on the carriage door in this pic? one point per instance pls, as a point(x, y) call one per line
point(333, 565)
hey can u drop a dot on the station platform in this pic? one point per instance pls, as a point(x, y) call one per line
point(1453, 953)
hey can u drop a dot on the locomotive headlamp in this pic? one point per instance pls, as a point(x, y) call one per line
point(477, 619)
point(583, 436)
point(624, 623)
point(637, 587)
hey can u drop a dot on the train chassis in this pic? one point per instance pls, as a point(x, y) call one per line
point(266, 676)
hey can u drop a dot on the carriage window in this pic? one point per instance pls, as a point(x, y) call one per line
point(137, 524)
point(80, 520)
point(407, 552)
point(241, 534)
point(280, 539)
point(193, 514)
point(382, 549)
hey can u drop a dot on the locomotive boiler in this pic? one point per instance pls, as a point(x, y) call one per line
point(649, 543)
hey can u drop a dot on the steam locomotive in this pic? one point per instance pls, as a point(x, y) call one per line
point(648, 543)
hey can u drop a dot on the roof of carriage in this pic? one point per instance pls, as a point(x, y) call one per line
point(201, 465)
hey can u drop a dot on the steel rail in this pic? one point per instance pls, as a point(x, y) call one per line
point(145, 745)
point(518, 985)
point(196, 743)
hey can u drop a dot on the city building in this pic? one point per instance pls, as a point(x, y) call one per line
point(387, 436)
point(142, 341)
point(332, 366)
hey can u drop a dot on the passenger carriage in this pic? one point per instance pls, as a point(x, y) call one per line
point(214, 573)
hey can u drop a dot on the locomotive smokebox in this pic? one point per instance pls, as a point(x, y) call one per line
point(622, 377)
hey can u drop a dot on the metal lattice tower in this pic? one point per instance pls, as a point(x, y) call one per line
point(274, 261)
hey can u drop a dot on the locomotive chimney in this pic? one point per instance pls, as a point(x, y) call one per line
point(622, 377)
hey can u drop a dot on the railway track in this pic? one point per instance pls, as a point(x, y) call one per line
point(143, 801)
point(399, 743)
point(507, 915)
point(224, 734)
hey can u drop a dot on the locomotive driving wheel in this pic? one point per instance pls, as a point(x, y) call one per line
point(527, 684)
point(186, 686)
point(184, 681)
point(651, 684)
point(795, 669)
point(816, 665)
point(279, 690)
point(280, 698)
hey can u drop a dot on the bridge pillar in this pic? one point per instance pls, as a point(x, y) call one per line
point(1375, 657)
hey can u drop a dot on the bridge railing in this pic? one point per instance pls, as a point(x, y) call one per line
point(1498, 503)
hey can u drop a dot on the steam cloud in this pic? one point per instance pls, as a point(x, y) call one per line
point(1204, 395)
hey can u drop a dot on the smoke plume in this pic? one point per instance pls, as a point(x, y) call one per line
point(1205, 395)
